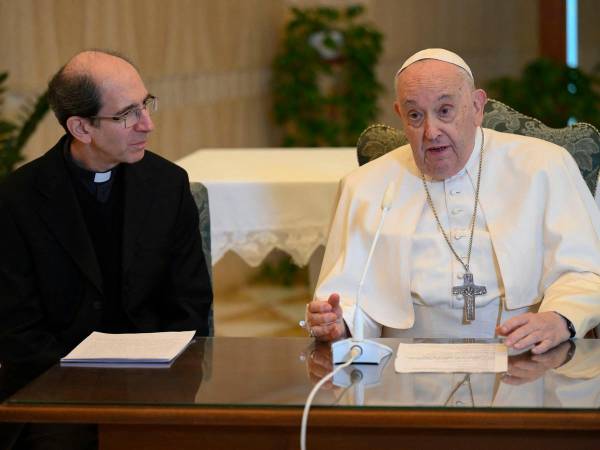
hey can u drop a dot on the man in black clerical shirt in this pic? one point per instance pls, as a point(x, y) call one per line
point(98, 234)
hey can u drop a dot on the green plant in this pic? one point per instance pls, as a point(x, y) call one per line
point(551, 92)
point(14, 136)
point(283, 271)
point(324, 84)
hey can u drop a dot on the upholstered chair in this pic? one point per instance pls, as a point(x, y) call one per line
point(582, 140)
point(377, 140)
point(200, 194)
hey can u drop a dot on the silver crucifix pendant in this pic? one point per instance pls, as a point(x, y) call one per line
point(469, 290)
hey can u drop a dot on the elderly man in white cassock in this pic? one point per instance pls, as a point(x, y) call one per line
point(488, 234)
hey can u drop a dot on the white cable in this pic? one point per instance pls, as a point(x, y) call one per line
point(355, 353)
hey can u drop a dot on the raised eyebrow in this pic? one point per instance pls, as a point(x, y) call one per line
point(132, 105)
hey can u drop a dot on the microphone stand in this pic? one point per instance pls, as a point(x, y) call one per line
point(371, 352)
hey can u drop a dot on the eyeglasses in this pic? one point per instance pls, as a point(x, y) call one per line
point(133, 116)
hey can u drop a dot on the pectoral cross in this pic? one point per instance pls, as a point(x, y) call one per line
point(468, 290)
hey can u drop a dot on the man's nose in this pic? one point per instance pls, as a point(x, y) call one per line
point(431, 129)
point(145, 123)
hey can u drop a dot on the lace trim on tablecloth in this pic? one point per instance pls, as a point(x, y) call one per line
point(254, 246)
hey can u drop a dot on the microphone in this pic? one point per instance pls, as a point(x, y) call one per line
point(370, 352)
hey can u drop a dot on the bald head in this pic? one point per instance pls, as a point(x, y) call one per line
point(76, 89)
point(99, 64)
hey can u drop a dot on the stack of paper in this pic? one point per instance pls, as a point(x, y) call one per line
point(472, 358)
point(129, 350)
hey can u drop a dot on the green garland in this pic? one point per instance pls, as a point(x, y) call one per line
point(324, 84)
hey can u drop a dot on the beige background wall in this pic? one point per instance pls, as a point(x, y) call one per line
point(209, 60)
point(589, 34)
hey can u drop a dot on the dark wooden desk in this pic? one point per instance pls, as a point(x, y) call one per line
point(248, 393)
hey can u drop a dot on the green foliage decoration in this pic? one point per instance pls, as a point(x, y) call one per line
point(14, 136)
point(552, 93)
point(324, 84)
point(283, 272)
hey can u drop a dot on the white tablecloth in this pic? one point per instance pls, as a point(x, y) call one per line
point(261, 199)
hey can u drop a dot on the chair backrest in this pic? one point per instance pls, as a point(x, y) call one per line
point(377, 140)
point(582, 140)
point(200, 194)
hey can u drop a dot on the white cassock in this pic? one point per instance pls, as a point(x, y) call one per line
point(536, 243)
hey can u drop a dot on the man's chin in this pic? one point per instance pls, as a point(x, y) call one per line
point(441, 167)
point(136, 155)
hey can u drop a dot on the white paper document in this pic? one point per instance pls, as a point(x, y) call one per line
point(129, 350)
point(472, 358)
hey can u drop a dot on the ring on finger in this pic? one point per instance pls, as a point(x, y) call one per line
point(304, 322)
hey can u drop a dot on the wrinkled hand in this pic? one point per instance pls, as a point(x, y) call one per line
point(543, 331)
point(526, 367)
point(324, 319)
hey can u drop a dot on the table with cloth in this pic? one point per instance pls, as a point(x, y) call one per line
point(263, 199)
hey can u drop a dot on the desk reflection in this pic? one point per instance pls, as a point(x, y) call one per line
point(567, 376)
point(177, 384)
point(249, 393)
point(88, 385)
point(280, 372)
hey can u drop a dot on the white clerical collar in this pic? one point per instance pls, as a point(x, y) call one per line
point(102, 177)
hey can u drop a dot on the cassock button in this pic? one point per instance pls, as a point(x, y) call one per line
point(459, 276)
point(454, 192)
point(97, 305)
point(457, 211)
point(459, 403)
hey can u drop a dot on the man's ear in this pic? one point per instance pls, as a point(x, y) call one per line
point(397, 109)
point(479, 98)
point(79, 127)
